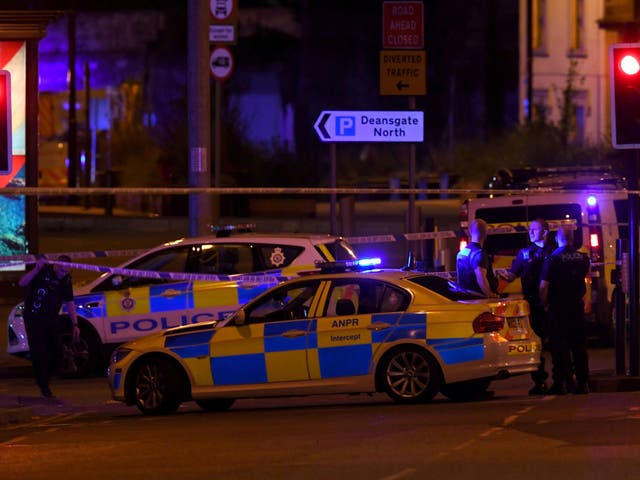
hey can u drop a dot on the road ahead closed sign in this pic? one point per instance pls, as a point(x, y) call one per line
point(370, 126)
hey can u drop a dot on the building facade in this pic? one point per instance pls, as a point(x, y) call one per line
point(565, 51)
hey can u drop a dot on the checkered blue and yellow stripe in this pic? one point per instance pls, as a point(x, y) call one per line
point(308, 349)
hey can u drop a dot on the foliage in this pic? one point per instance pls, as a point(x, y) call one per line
point(538, 144)
point(567, 121)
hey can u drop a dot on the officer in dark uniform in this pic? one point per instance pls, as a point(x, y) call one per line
point(48, 287)
point(527, 265)
point(562, 288)
point(474, 265)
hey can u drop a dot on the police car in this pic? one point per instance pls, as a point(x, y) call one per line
point(405, 333)
point(124, 303)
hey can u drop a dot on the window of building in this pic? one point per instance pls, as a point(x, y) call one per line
point(577, 46)
point(538, 27)
point(579, 113)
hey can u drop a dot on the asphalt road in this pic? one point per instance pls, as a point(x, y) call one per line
point(510, 435)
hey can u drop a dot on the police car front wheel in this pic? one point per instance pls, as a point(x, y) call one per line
point(410, 375)
point(157, 386)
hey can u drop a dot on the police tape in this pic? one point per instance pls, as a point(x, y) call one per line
point(465, 192)
point(33, 258)
point(267, 277)
point(400, 237)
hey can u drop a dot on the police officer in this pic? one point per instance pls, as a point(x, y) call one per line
point(562, 286)
point(48, 287)
point(527, 265)
point(474, 266)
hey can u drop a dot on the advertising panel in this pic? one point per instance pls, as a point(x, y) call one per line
point(13, 207)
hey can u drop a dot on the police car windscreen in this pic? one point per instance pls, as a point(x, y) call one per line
point(340, 249)
point(444, 287)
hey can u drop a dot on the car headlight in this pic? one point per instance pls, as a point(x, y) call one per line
point(119, 354)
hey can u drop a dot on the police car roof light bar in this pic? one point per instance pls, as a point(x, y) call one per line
point(348, 265)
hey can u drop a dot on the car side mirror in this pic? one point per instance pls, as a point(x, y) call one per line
point(116, 280)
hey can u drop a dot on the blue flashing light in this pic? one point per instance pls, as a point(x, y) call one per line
point(367, 262)
point(348, 265)
point(592, 200)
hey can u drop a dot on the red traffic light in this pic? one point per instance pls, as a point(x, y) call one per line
point(625, 95)
point(629, 64)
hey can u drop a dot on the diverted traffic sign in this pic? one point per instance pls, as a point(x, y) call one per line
point(403, 72)
point(370, 126)
point(402, 25)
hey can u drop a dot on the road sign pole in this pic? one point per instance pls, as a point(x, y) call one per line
point(412, 182)
point(412, 175)
point(199, 117)
point(634, 267)
point(332, 203)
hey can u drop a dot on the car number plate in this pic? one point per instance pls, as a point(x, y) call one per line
point(515, 322)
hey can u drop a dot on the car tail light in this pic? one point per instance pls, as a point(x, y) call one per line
point(595, 229)
point(464, 224)
point(487, 322)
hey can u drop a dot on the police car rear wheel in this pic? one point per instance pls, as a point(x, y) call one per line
point(410, 375)
point(215, 404)
point(156, 387)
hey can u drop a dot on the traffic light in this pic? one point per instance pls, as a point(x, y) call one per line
point(5, 122)
point(625, 95)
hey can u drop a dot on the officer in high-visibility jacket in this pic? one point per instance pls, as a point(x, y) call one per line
point(474, 265)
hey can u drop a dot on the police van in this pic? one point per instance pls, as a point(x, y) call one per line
point(593, 202)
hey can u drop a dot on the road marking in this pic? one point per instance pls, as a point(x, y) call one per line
point(464, 445)
point(12, 441)
point(401, 474)
point(490, 431)
point(46, 422)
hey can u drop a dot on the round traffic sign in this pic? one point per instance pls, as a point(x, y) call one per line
point(221, 63)
point(221, 9)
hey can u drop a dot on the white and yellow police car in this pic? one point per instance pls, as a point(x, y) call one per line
point(143, 295)
point(405, 333)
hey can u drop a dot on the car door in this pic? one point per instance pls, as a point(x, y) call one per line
point(349, 328)
point(132, 312)
point(271, 345)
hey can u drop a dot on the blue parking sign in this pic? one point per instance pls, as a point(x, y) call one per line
point(346, 126)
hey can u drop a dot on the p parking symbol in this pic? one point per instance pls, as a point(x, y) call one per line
point(345, 126)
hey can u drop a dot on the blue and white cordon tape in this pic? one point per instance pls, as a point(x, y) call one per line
point(404, 236)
